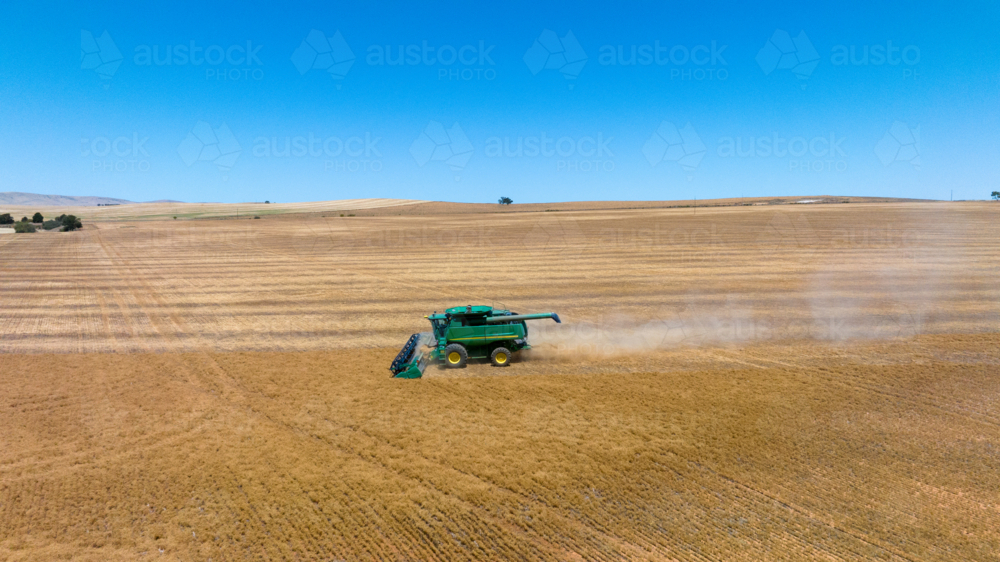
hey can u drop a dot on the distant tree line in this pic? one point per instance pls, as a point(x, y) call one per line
point(64, 223)
point(7, 219)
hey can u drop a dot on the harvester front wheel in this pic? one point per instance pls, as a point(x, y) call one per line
point(500, 357)
point(455, 356)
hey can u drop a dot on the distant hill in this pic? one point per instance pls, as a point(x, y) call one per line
point(38, 200)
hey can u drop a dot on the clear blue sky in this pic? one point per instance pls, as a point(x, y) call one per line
point(723, 100)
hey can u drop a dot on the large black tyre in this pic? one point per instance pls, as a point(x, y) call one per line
point(455, 356)
point(500, 357)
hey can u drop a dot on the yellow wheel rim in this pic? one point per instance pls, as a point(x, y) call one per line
point(501, 358)
point(454, 357)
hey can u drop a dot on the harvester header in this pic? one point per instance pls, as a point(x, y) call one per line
point(466, 332)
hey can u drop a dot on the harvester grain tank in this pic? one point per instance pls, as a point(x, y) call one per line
point(463, 333)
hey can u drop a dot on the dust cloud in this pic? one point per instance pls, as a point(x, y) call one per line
point(834, 303)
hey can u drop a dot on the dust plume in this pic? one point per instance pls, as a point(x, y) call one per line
point(836, 302)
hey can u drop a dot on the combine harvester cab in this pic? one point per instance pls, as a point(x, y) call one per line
point(463, 333)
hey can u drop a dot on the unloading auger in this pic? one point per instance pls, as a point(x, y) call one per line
point(463, 333)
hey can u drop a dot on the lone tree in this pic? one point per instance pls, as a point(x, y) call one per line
point(70, 223)
point(6, 219)
point(505, 201)
point(996, 194)
point(24, 219)
point(37, 218)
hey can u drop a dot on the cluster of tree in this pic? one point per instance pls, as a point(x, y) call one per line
point(995, 194)
point(505, 201)
point(65, 223)
point(7, 219)
point(69, 222)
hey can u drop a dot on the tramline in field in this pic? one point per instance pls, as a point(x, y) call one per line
point(463, 333)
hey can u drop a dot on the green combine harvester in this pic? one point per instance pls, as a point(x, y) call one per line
point(463, 333)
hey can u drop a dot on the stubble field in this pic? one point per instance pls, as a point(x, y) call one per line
point(765, 382)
